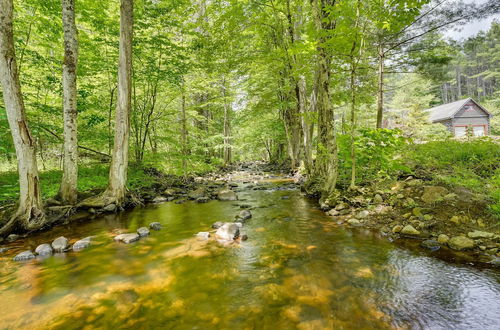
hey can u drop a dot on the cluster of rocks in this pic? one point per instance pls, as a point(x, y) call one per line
point(228, 231)
point(59, 245)
point(128, 238)
point(410, 209)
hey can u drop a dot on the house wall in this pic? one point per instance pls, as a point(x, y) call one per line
point(469, 115)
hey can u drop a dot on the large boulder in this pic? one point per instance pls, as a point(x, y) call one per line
point(461, 243)
point(127, 238)
point(195, 194)
point(432, 194)
point(229, 231)
point(82, 244)
point(26, 255)
point(60, 244)
point(44, 249)
point(227, 195)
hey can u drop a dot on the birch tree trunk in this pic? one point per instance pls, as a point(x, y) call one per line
point(68, 189)
point(29, 215)
point(115, 193)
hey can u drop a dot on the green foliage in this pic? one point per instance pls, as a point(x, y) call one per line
point(378, 153)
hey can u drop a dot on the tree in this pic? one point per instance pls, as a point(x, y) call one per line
point(29, 215)
point(68, 189)
point(115, 193)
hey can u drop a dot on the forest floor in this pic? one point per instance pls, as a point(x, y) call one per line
point(408, 209)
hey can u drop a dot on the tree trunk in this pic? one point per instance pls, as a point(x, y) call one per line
point(380, 92)
point(307, 124)
point(184, 147)
point(459, 82)
point(29, 215)
point(227, 126)
point(68, 189)
point(115, 193)
point(327, 153)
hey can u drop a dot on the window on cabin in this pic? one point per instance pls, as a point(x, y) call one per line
point(479, 130)
point(460, 131)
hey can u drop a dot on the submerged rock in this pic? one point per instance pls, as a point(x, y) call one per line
point(476, 234)
point(3, 250)
point(155, 225)
point(26, 255)
point(229, 231)
point(244, 215)
point(227, 195)
point(430, 244)
point(460, 243)
point(82, 244)
point(44, 249)
point(143, 231)
point(410, 231)
point(60, 244)
point(127, 238)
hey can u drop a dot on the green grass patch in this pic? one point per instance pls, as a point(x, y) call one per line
point(90, 177)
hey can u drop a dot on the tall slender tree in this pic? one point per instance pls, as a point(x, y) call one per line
point(29, 215)
point(68, 189)
point(115, 193)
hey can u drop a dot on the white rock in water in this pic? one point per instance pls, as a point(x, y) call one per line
point(26, 255)
point(229, 231)
point(60, 244)
point(143, 231)
point(203, 235)
point(127, 238)
point(82, 244)
point(44, 250)
point(227, 195)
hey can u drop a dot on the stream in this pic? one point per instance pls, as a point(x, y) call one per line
point(297, 270)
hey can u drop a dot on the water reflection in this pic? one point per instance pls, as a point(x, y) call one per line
point(297, 270)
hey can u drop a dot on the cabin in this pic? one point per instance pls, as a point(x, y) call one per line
point(462, 117)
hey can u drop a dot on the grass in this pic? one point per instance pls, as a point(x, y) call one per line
point(90, 178)
point(472, 164)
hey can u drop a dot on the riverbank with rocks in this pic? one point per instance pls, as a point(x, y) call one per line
point(408, 210)
point(437, 217)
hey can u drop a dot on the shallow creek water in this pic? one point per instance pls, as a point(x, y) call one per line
point(297, 270)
